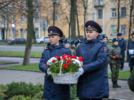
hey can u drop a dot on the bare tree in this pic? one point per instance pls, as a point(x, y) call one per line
point(30, 33)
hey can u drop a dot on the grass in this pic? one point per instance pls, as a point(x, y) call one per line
point(30, 67)
point(3, 62)
point(35, 67)
point(122, 75)
point(19, 54)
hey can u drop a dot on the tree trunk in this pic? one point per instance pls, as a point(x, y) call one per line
point(73, 19)
point(118, 27)
point(54, 13)
point(30, 33)
point(77, 22)
point(34, 38)
point(130, 22)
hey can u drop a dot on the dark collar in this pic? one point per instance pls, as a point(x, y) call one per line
point(92, 41)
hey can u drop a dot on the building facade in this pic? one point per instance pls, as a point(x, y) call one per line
point(14, 25)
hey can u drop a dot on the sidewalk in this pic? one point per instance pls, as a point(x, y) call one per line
point(8, 76)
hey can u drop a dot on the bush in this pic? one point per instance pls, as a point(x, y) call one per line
point(3, 91)
point(20, 97)
point(22, 88)
point(73, 92)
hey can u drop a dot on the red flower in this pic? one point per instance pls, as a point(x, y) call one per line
point(46, 64)
point(68, 56)
point(64, 58)
point(80, 59)
point(69, 61)
point(57, 57)
point(74, 57)
point(83, 65)
point(53, 61)
point(65, 65)
point(116, 56)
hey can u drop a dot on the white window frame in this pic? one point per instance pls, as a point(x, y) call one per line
point(123, 30)
point(22, 34)
point(101, 14)
point(26, 19)
point(13, 18)
point(20, 5)
point(100, 2)
point(56, 18)
point(21, 18)
point(13, 6)
point(113, 13)
point(112, 30)
point(26, 4)
point(124, 16)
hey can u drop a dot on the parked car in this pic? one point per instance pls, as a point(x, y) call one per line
point(43, 39)
point(17, 41)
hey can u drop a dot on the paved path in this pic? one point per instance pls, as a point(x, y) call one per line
point(20, 48)
point(8, 76)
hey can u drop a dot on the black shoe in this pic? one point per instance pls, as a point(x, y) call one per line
point(114, 85)
point(118, 86)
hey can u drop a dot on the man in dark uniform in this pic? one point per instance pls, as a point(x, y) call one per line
point(77, 43)
point(54, 91)
point(72, 48)
point(122, 45)
point(67, 43)
point(130, 47)
point(93, 78)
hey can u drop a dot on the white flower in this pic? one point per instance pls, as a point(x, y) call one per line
point(49, 62)
point(78, 62)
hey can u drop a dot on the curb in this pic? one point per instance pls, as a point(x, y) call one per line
point(119, 79)
point(9, 63)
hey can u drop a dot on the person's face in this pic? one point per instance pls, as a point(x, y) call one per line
point(67, 45)
point(90, 35)
point(119, 37)
point(133, 39)
point(105, 40)
point(54, 40)
point(73, 45)
point(116, 43)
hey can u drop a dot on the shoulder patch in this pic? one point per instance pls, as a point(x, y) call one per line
point(105, 49)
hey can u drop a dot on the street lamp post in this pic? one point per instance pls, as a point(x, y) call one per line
point(54, 3)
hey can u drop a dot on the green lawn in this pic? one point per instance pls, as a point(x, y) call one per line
point(3, 62)
point(18, 54)
point(122, 74)
point(31, 67)
point(35, 67)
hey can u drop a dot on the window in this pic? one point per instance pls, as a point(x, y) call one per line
point(123, 29)
point(123, 12)
point(36, 18)
point(100, 2)
point(9, 19)
point(21, 33)
point(26, 18)
point(35, 5)
point(69, 3)
point(13, 19)
point(113, 13)
point(20, 5)
point(3, 19)
point(12, 5)
point(26, 5)
point(55, 2)
point(113, 29)
point(21, 18)
point(56, 17)
point(112, 0)
point(100, 13)
point(6, 7)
